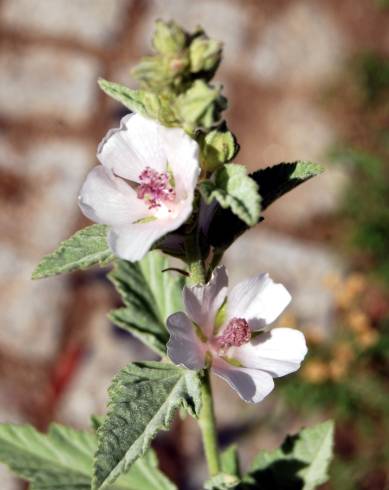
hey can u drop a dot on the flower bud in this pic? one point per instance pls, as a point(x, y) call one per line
point(168, 38)
point(205, 54)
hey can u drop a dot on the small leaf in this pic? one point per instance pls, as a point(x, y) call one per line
point(273, 182)
point(63, 460)
point(218, 147)
point(143, 400)
point(146, 103)
point(301, 462)
point(279, 179)
point(234, 189)
point(149, 295)
point(85, 248)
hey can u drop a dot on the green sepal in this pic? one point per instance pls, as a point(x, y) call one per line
point(234, 189)
point(143, 399)
point(84, 249)
point(219, 146)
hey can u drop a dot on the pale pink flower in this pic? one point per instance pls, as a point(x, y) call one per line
point(145, 186)
point(231, 334)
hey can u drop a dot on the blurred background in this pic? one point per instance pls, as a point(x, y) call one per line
point(306, 79)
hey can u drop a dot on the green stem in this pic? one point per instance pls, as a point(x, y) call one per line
point(207, 419)
point(207, 424)
point(194, 261)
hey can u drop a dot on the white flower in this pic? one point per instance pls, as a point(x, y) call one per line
point(232, 333)
point(145, 185)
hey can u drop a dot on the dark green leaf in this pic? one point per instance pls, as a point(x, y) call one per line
point(143, 400)
point(234, 189)
point(63, 460)
point(301, 463)
point(273, 182)
point(149, 295)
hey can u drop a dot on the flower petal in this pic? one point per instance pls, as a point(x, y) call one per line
point(109, 200)
point(132, 242)
point(184, 347)
point(182, 153)
point(251, 385)
point(279, 352)
point(136, 144)
point(258, 300)
point(203, 301)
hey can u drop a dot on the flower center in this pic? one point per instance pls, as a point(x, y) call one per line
point(155, 188)
point(236, 333)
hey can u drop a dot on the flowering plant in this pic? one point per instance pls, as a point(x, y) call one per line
point(166, 184)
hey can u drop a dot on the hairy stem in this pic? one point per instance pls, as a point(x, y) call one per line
point(195, 262)
point(207, 424)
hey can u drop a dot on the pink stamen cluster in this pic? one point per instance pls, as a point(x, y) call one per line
point(155, 188)
point(236, 333)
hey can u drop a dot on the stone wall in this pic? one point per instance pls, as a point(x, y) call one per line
point(57, 351)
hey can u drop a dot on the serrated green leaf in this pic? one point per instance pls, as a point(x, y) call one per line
point(143, 400)
point(149, 295)
point(85, 248)
point(149, 104)
point(273, 182)
point(63, 460)
point(301, 462)
point(234, 189)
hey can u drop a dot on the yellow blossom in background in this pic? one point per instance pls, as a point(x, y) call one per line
point(367, 339)
point(337, 370)
point(358, 321)
point(315, 371)
point(343, 353)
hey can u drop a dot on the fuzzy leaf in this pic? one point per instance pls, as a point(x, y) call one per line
point(146, 103)
point(300, 463)
point(85, 248)
point(149, 295)
point(63, 460)
point(234, 189)
point(279, 179)
point(273, 182)
point(143, 400)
